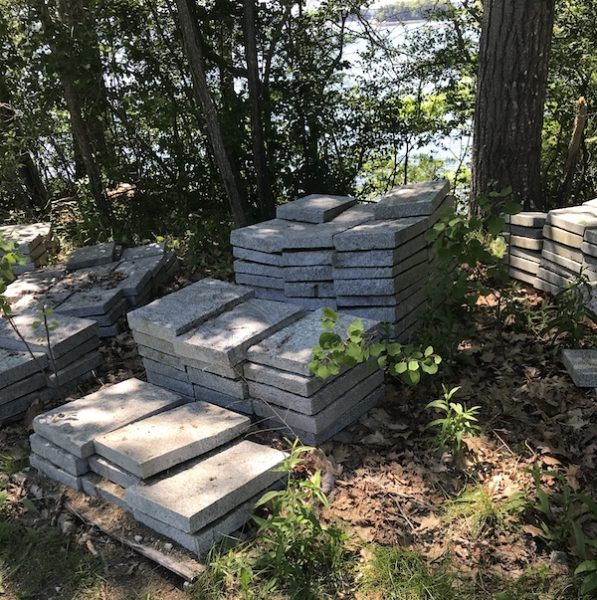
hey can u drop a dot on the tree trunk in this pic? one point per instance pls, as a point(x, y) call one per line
point(192, 47)
point(513, 61)
point(264, 190)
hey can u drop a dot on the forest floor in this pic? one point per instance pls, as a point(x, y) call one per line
point(468, 523)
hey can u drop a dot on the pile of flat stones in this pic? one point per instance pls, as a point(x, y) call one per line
point(524, 233)
point(370, 260)
point(33, 372)
point(181, 468)
point(214, 341)
point(100, 283)
point(33, 241)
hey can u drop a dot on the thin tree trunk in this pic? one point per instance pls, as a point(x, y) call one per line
point(513, 61)
point(580, 122)
point(230, 179)
point(264, 188)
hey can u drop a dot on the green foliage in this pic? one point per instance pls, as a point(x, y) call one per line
point(457, 421)
point(8, 259)
point(397, 574)
point(405, 362)
point(568, 520)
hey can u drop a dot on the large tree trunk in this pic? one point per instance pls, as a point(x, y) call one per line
point(264, 190)
point(192, 47)
point(513, 62)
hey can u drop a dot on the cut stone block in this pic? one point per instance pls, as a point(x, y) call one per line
point(554, 278)
point(315, 208)
point(237, 388)
point(225, 338)
point(91, 256)
point(266, 237)
point(545, 286)
point(581, 366)
point(75, 354)
point(380, 234)
point(139, 252)
point(16, 366)
point(109, 331)
point(259, 281)
point(412, 200)
point(527, 219)
point(137, 275)
point(93, 485)
point(380, 258)
point(382, 287)
point(589, 249)
point(341, 389)
point(561, 250)
point(155, 343)
point(591, 236)
point(250, 268)
point(172, 383)
point(527, 232)
point(315, 303)
point(524, 242)
point(165, 369)
point(22, 388)
point(112, 472)
point(64, 377)
point(576, 219)
point(204, 490)
point(300, 290)
point(531, 255)
point(96, 301)
point(564, 262)
point(76, 424)
point(307, 258)
point(291, 348)
point(57, 456)
point(264, 258)
point(10, 411)
point(312, 273)
point(53, 472)
point(270, 294)
point(522, 264)
point(177, 313)
point(562, 236)
point(381, 272)
point(346, 419)
point(158, 443)
point(205, 394)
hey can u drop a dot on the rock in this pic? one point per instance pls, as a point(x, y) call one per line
point(315, 208)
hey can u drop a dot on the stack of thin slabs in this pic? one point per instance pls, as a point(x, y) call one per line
point(33, 241)
point(524, 232)
point(289, 398)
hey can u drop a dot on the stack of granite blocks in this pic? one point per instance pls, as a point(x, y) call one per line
point(524, 233)
point(381, 268)
point(285, 393)
point(581, 365)
point(179, 467)
point(568, 249)
point(33, 241)
point(35, 372)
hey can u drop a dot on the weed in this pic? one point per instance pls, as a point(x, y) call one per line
point(457, 421)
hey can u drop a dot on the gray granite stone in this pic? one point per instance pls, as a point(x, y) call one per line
point(264, 258)
point(266, 237)
point(45, 467)
point(558, 268)
point(11, 411)
point(59, 457)
point(375, 235)
point(345, 302)
point(568, 264)
point(63, 378)
point(204, 490)
point(412, 200)
point(315, 208)
point(112, 316)
point(562, 236)
point(343, 388)
point(291, 348)
point(531, 255)
point(75, 354)
point(576, 219)
point(182, 388)
point(16, 366)
point(138, 252)
point(88, 303)
point(75, 425)
point(545, 286)
point(524, 242)
point(250, 268)
point(137, 274)
point(561, 250)
point(313, 273)
point(591, 236)
point(522, 264)
point(535, 233)
point(589, 249)
point(237, 388)
point(344, 420)
point(382, 287)
point(554, 278)
point(112, 472)
point(527, 219)
point(225, 338)
point(22, 388)
point(109, 330)
point(270, 294)
point(381, 272)
point(314, 303)
point(177, 313)
point(91, 256)
point(205, 394)
point(156, 444)
point(93, 485)
point(259, 281)
point(153, 342)
point(380, 258)
point(36, 282)
point(165, 369)
point(581, 366)
point(300, 289)
point(307, 258)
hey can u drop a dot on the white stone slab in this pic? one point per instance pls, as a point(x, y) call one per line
point(45, 467)
point(75, 425)
point(112, 472)
point(171, 383)
point(562, 236)
point(89, 303)
point(527, 219)
point(314, 208)
point(204, 490)
point(375, 235)
point(412, 200)
point(158, 443)
point(59, 457)
point(576, 219)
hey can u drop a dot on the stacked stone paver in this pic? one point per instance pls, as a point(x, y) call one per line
point(581, 366)
point(177, 466)
point(33, 241)
point(370, 260)
point(31, 371)
point(100, 283)
point(524, 232)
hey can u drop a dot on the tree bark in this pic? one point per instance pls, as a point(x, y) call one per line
point(264, 189)
point(192, 47)
point(513, 62)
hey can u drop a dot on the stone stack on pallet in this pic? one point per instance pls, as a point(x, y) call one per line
point(524, 232)
point(53, 370)
point(101, 284)
point(194, 487)
point(214, 341)
point(33, 241)
point(569, 234)
point(371, 259)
